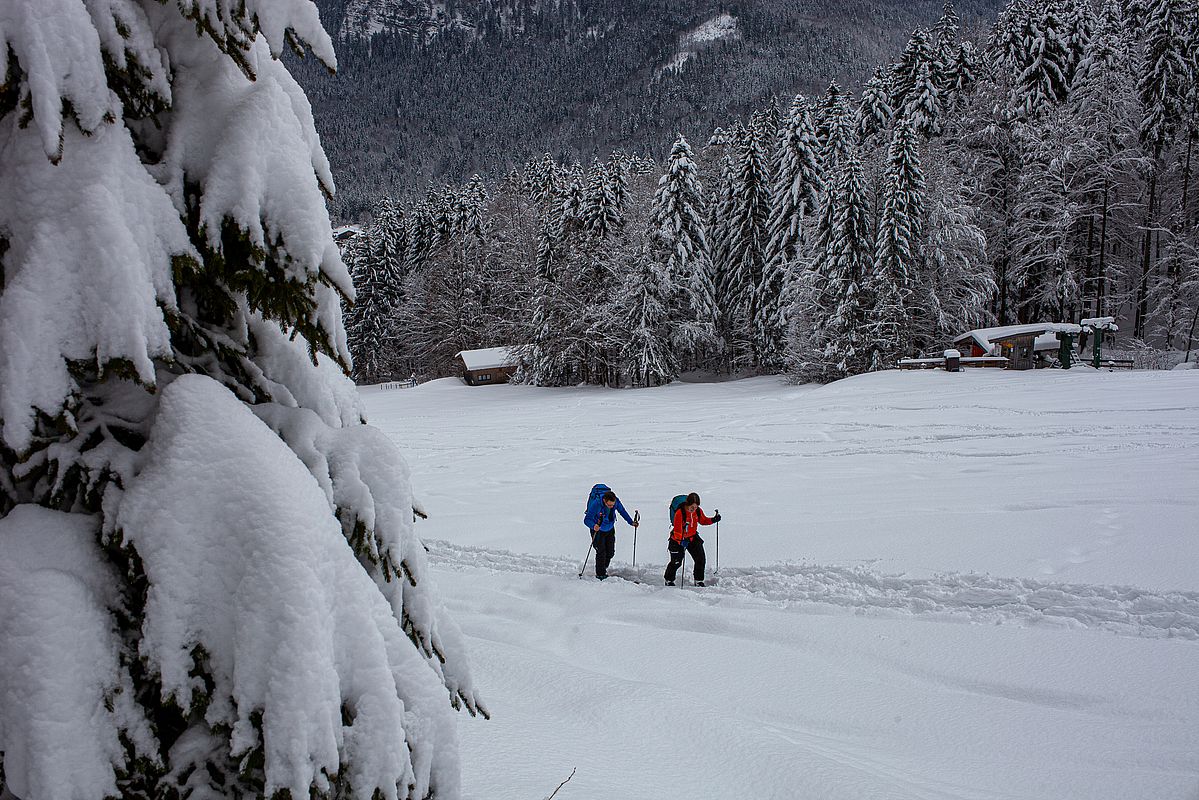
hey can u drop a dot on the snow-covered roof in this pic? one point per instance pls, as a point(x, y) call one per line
point(1045, 332)
point(1100, 323)
point(488, 358)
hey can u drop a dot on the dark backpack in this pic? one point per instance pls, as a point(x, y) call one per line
point(678, 502)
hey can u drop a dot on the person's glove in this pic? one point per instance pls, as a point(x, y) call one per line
point(717, 517)
point(595, 528)
point(636, 524)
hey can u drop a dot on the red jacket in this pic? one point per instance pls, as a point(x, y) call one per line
point(687, 522)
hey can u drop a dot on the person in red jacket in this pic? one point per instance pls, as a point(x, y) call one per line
point(684, 538)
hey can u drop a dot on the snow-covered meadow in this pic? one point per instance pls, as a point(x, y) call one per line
point(932, 585)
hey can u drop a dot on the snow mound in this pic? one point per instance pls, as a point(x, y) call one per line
point(254, 589)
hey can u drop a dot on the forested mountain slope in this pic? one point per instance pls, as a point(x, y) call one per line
point(442, 91)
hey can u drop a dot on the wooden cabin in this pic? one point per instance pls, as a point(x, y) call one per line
point(486, 366)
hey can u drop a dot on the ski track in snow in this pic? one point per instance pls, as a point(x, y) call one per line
point(968, 598)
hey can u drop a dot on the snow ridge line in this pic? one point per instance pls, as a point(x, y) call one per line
point(972, 598)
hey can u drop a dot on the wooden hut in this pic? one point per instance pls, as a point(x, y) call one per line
point(489, 365)
point(1022, 345)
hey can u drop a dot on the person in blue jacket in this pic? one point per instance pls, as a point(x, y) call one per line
point(601, 520)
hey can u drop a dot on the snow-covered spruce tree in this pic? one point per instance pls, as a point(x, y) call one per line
point(548, 359)
point(723, 147)
point(377, 258)
point(602, 214)
point(1030, 40)
point(874, 110)
point(647, 352)
point(210, 584)
point(920, 54)
point(829, 330)
point(960, 74)
point(796, 196)
point(923, 109)
point(797, 183)
point(891, 284)
point(1078, 23)
point(681, 245)
point(751, 301)
point(831, 112)
point(945, 33)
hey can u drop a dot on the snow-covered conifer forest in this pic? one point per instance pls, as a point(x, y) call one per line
point(210, 584)
point(1045, 170)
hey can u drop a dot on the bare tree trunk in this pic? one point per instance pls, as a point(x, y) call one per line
point(1101, 276)
point(1089, 277)
point(1142, 311)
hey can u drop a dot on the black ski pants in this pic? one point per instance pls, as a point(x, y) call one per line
point(605, 548)
point(694, 548)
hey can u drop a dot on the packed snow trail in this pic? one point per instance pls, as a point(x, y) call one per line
point(985, 599)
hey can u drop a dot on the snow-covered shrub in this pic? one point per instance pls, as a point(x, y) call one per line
point(210, 582)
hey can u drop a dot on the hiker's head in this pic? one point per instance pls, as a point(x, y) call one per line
point(610, 499)
point(693, 501)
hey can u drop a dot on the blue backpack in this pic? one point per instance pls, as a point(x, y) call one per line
point(678, 502)
point(593, 500)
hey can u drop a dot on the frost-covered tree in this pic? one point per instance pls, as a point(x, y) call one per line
point(1163, 87)
point(953, 294)
point(377, 259)
point(960, 73)
point(874, 110)
point(945, 33)
point(796, 196)
point(648, 352)
point(210, 581)
point(891, 284)
point(680, 242)
point(829, 328)
point(749, 300)
point(601, 213)
point(919, 55)
point(923, 108)
point(677, 220)
point(1031, 41)
point(830, 113)
point(1044, 270)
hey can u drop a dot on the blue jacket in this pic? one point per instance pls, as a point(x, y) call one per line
point(606, 517)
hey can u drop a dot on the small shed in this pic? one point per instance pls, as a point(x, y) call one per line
point(1021, 344)
point(489, 365)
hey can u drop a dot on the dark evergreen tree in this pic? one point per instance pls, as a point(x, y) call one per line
point(750, 300)
point(891, 284)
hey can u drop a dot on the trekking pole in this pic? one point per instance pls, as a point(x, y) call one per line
point(583, 568)
point(636, 520)
point(717, 570)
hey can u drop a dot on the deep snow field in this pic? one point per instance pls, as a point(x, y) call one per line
point(932, 585)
